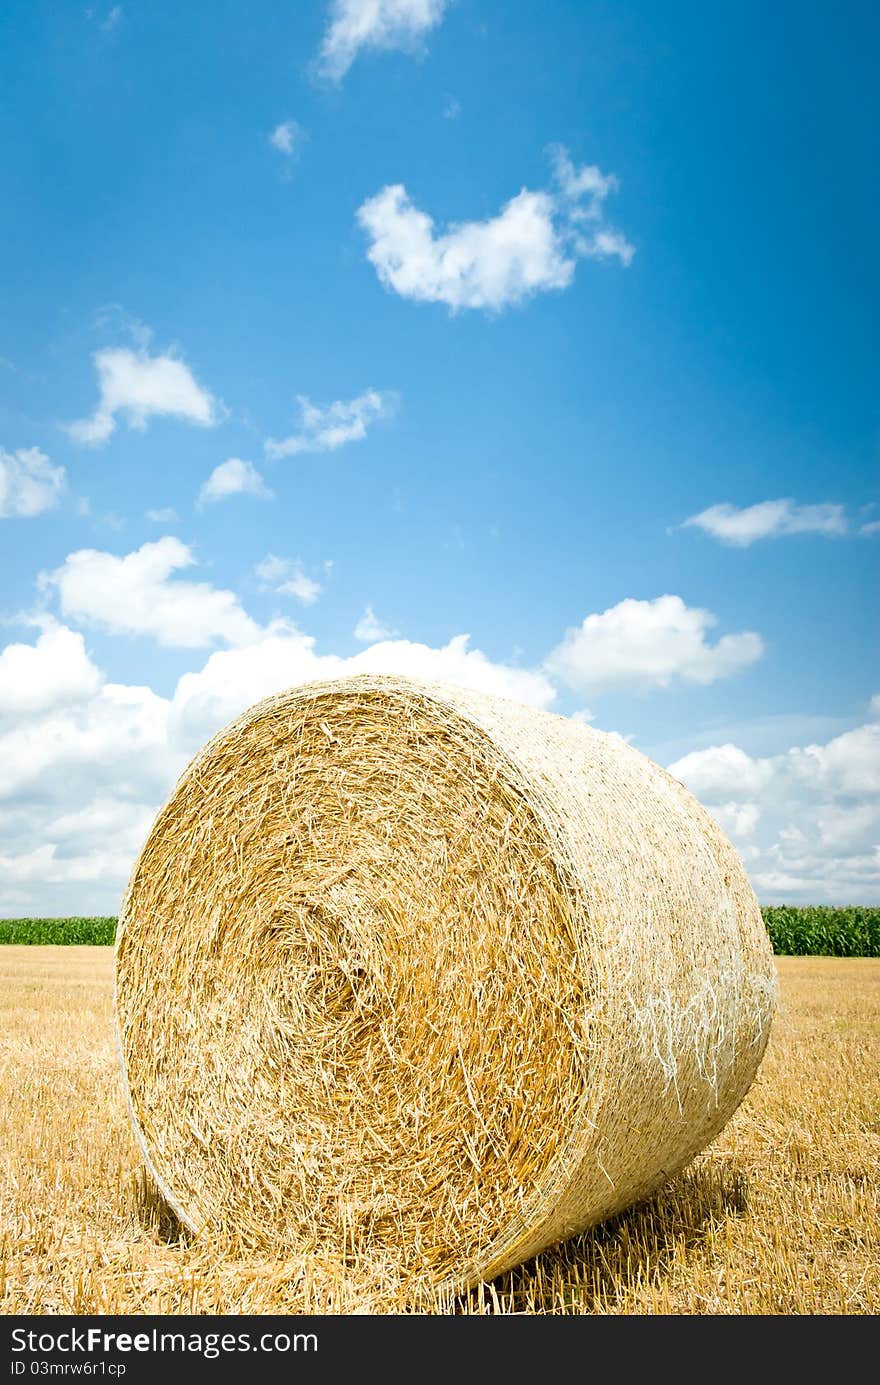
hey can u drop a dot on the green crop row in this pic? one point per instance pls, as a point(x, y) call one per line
point(818, 931)
point(98, 932)
point(815, 931)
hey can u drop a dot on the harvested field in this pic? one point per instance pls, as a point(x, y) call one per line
point(780, 1215)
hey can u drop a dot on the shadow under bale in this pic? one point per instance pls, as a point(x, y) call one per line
point(596, 1271)
point(155, 1214)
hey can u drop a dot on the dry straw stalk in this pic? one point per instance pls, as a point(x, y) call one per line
point(420, 981)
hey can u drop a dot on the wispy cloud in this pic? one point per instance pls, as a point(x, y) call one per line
point(767, 520)
point(325, 427)
point(288, 138)
point(288, 578)
point(374, 24)
point(370, 629)
point(106, 21)
point(233, 477)
point(29, 483)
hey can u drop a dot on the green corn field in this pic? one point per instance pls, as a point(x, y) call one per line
point(816, 931)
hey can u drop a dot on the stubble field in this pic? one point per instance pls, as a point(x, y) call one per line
point(781, 1215)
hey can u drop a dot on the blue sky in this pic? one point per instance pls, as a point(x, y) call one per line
point(645, 295)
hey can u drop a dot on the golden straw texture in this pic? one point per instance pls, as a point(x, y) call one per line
point(421, 981)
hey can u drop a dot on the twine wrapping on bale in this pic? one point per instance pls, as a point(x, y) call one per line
point(421, 978)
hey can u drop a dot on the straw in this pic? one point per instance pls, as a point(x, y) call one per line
point(423, 981)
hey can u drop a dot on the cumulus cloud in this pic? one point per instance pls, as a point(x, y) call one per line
point(807, 821)
point(86, 762)
point(531, 246)
point(644, 644)
point(369, 628)
point(233, 477)
point(767, 520)
point(374, 24)
point(29, 483)
point(80, 787)
point(288, 578)
point(137, 594)
point(118, 727)
point(138, 387)
point(477, 264)
point(723, 771)
point(738, 819)
point(37, 677)
point(232, 679)
point(85, 768)
point(325, 427)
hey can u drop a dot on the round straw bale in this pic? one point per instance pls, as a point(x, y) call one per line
point(419, 977)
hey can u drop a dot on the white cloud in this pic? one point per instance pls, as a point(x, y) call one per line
point(139, 386)
point(87, 762)
point(288, 578)
point(233, 477)
point(80, 788)
point(608, 245)
point(369, 629)
point(769, 519)
point(137, 595)
point(452, 109)
point(324, 427)
point(376, 24)
point(288, 138)
point(116, 743)
point(29, 483)
point(723, 771)
point(167, 515)
point(575, 184)
point(644, 644)
point(36, 677)
point(738, 819)
point(847, 766)
point(85, 765)
point(232, 679)
point(477, 264)
point(531, 246)
point(869, 529)
point(811, 815)
point(83, 777)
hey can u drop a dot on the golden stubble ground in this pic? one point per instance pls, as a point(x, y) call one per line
point(781, 1215)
